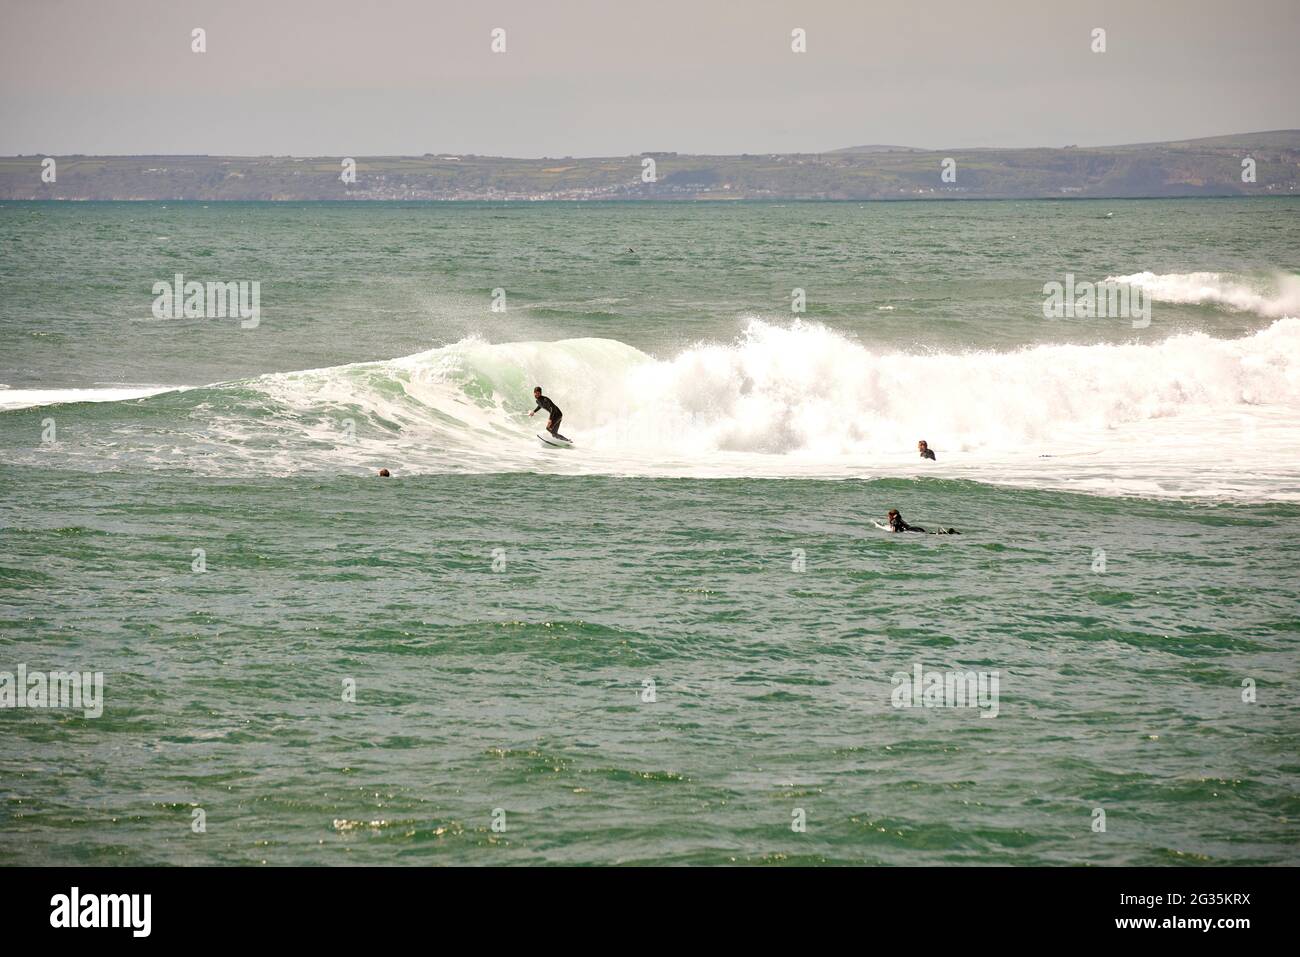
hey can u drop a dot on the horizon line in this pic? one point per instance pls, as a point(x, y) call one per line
point(879, 147)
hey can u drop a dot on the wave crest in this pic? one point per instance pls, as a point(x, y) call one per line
point(1272, 298)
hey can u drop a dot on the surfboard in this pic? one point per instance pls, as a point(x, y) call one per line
point(548, 439)
point(883, 528)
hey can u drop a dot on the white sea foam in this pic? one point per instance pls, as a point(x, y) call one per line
point(1188, 415)
point(27, 398)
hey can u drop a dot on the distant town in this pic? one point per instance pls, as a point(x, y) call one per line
point(1248, 164)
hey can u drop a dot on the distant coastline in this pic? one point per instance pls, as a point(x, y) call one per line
point(1247, 164)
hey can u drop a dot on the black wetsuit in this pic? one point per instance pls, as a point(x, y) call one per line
point(928, 454)
point(896, 524)
point(553, 424)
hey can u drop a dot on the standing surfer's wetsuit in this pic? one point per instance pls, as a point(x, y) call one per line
point(928, 454)
point(553, 423)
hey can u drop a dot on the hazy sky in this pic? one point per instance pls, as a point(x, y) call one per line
point(614, 77)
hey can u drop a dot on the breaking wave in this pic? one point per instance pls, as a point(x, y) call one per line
point(1185, 415)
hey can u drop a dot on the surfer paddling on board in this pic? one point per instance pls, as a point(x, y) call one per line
point(896, 524)
point(924, 448)
point(553, 423)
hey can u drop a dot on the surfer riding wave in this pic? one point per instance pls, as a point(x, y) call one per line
point(553, 423)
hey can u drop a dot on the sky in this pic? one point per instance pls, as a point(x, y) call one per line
point(617, 77)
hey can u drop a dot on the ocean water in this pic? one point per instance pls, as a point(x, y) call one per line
point(682, 641)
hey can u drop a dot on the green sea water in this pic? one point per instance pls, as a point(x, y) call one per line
point(681, 641)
